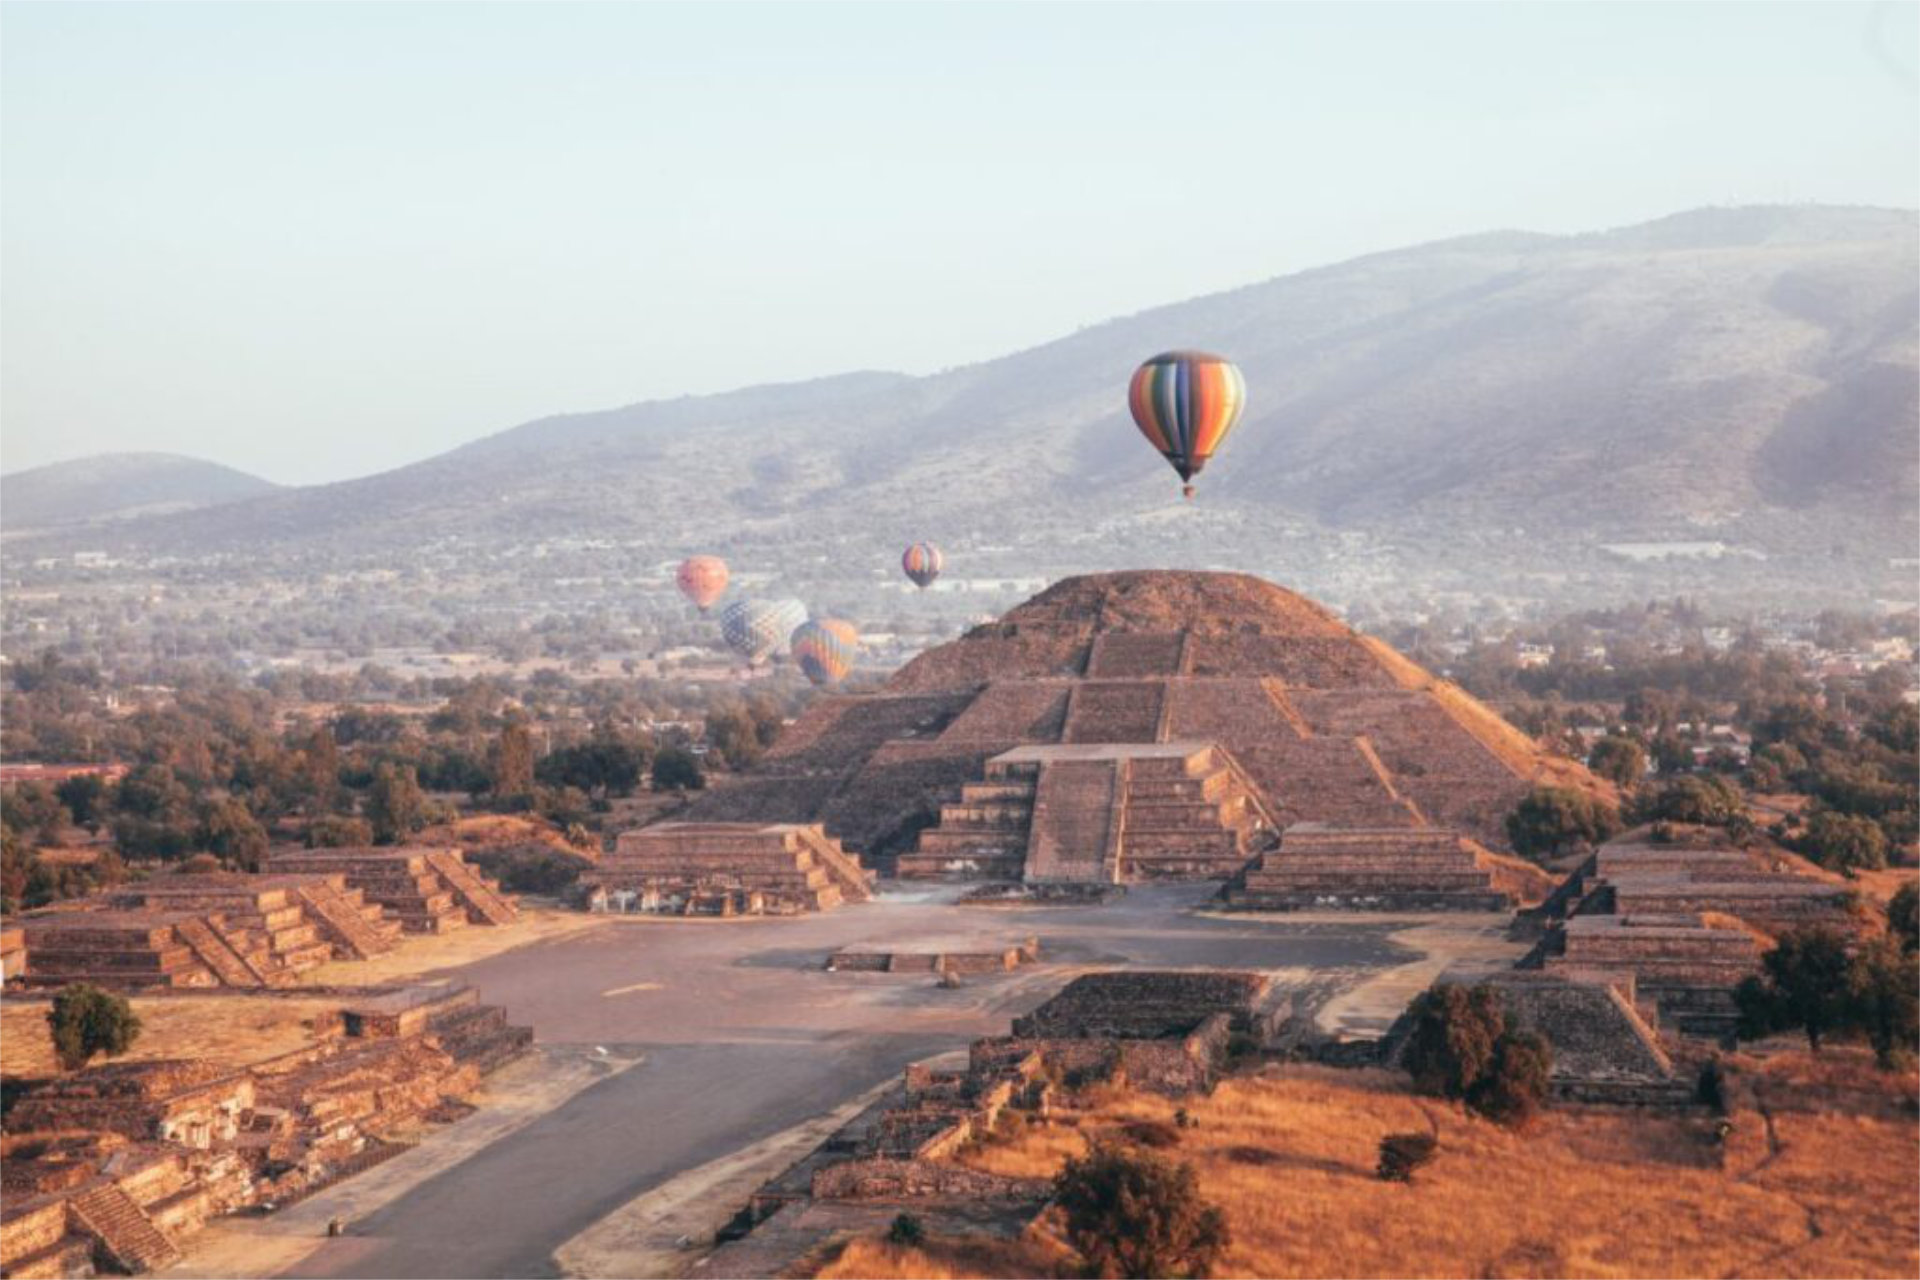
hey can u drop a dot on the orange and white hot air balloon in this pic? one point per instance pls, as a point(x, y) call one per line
point(702, 579)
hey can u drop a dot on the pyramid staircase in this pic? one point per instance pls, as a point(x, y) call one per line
point(1368, 868)
point(423, 889)
point(983, 835)
point(483, 900)
point(121, 1230)
point(228, 963)
point(358, 929)
point(1104, 813)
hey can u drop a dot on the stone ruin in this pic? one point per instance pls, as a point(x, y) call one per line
point(1136, 726)
point(426, 888)
point(728, 868)
point(205, 931)
point(1162, 1030)
point(113, 1166)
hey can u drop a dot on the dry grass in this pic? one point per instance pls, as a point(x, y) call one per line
point(228, 1030)
point(951, 1258)
point(1587, 1192)
point(478, 831)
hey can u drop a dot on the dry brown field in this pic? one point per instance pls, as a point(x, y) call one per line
point(231, 1031)
point(1823, 1179)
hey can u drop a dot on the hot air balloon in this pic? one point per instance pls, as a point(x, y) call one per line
point(788, 614)
point(702, 579)
point(1185, 403)
point(752, 628)
point(922, 562)
point(824, 648)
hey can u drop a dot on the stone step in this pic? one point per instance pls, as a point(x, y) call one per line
point(1351, 899)
point(122, 1230)
point(1291, 881)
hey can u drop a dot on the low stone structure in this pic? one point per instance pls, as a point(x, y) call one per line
point(426, 888)
point(1603, 1049)
point(1321, 867)
point(727, 868)
point(956, 960)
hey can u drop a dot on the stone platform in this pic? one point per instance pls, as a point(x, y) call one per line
point(1321, 867)
point(731, 867)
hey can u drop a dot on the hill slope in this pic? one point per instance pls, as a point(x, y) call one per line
point(119, 486)
point(1746, 374)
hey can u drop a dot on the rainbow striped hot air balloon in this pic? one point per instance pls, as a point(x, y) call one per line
point(824, 648)
point(702, 579)
point(1186, 403)
point(752, 628)
point(922, 562)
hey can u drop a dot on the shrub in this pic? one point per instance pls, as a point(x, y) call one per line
point(335, 831)
point(677, 770)
point(1453, 1036)
point(85, 1021)
point(1402, 1153)
point(1552, 820)
point(1152, 1133)
point(1459, 1047)
point(906, 1230)
point(1515, 1082)
point(1134, 1214)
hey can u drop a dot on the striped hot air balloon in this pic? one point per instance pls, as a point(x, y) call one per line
point(824, 648)
point(702, 579)
point(752, 628)
point(922, 562)
point(1186, 403)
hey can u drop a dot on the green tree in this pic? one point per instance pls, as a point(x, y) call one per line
point(396, 807)
point(1451, 1042)
point(1135, 1214)
point(675, 769)
point(85, 796)
point(1903, 917)
point(229, 830)
point(734, 735)
point(1697, 798)
point(1842, 842)
point(1621, 761)
point(1884, 986)
point(86, 1021)
point(1805, 982)
point(513, 760)
point(1552, 820)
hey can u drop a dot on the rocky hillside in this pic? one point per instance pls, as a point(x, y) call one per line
point(1737, 374)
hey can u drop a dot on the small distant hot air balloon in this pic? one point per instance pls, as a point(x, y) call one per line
point(922, 562)
point(702, 579)
point(824, 648)
point(752, 628)
point(1186, 403)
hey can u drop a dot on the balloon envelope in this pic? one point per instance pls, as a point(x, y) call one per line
point(788, 615)
point(702, 579)
point(824, 648)
point(922, 561)
point(752, 628)
point(1185, 403)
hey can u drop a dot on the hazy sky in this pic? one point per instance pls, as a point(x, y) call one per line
point(319, 240)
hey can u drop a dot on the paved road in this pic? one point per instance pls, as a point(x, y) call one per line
point(745, 1035)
